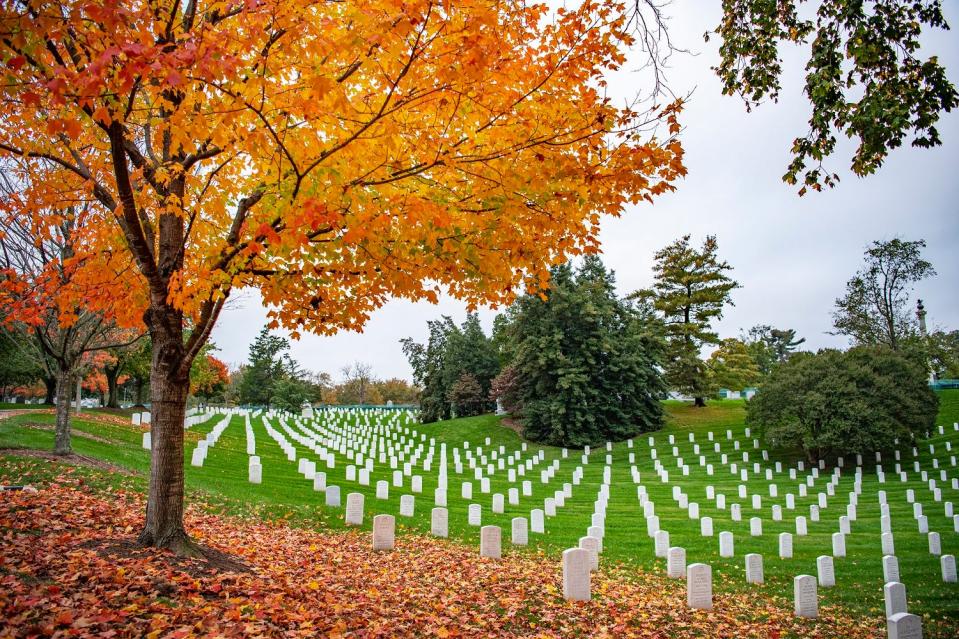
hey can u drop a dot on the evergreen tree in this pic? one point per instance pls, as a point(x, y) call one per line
point(470, 352)
point(450, 352)
point(586, 365)
point(265, 367)
point(769, 346)
point(690, 291)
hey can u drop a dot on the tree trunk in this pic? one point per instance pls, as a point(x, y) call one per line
point(61, 443)
point(112, 372)
point(699, 402)
point(51, 384)
point(79, 393)
point(169, 387)
point(138, 389)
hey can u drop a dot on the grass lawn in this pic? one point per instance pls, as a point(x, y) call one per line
point(285, 494)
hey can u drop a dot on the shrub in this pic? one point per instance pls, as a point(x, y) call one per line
point(835, 403)
point(466, 396)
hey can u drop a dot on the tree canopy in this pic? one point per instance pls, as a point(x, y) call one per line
point(835, 403)
point(866, 76)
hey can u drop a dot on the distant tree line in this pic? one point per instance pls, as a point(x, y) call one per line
point(576, 365)
point(272, 378)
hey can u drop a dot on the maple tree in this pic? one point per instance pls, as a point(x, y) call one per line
point(331, 155)
point(207, 375)
point(47, 292)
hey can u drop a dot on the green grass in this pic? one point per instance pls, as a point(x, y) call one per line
point(284, 493)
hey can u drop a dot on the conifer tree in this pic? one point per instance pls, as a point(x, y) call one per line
point(690, 291)
point(586, 367)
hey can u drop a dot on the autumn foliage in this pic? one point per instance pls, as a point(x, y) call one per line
point(70, 570)
point(330, 154)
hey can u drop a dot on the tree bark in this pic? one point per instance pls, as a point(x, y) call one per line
point(79, 393)
point(112, 373)
point(169, 387)
point(61, 443)
point(51, 384)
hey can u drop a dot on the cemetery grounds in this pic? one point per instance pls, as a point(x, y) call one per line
point(635, 472)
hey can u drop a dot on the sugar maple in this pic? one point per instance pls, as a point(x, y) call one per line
point(330, 154)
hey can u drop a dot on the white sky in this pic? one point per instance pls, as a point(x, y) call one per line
point(791, 255)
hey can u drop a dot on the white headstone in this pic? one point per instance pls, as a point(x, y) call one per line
point(384, 532)
point(888, 545)
point(890, 568)
point(754, 568)
point(576, 569)
point(948, 564)
point(520, 531)
point(827, 574)
point(904, 625)
point(726, 544)
point(354, 509)
point(537, 521)
point(838, 544)
point(805, 596)
point(439, 522)
point(676, 562)
point(699, 586)
point(333, 496)
point(894, 594)
point(592, 545)
point(785, 545)
point(661, 544)
point(491, 542)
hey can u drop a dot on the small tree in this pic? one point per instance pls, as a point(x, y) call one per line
point(290, 394)
point(506, 389)
point(875, 308)
point(265, 367)
point(835, 403)
point(732, 367)
point(467, 397)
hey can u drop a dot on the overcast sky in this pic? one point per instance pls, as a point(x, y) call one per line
point(791, 255)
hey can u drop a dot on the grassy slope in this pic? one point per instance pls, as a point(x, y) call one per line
point(286, 494)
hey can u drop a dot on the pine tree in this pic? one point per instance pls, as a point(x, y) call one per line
point(690, 291)
point(264, 369)
point(451, 352)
